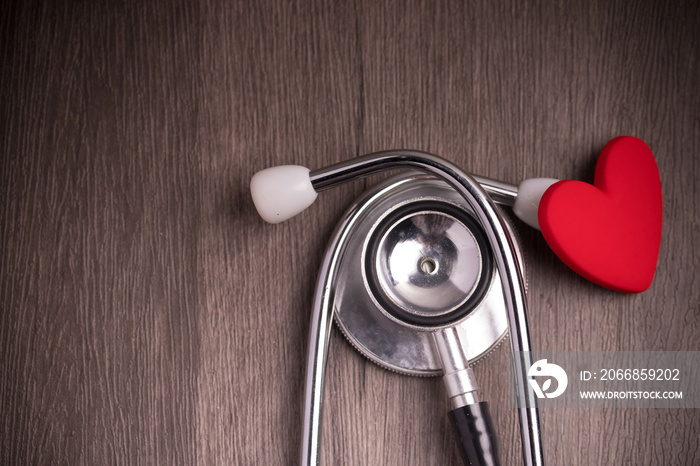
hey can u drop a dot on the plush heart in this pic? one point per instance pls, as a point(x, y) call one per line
point(609, 232)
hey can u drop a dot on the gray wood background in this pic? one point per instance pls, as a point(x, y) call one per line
point(148, 316)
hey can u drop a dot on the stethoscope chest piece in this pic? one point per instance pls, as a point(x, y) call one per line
point(415, 263)
point(424, 276)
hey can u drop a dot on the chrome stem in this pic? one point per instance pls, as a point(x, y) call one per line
point(457, 375)
point(506, 261)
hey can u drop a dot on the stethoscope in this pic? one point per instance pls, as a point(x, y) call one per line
point(424, 276)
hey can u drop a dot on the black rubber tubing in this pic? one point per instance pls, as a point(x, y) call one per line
point(474, 429)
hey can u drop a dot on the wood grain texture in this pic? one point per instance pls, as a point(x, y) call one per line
point(149, 317)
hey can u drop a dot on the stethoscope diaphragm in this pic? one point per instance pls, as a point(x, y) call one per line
point(416, 263)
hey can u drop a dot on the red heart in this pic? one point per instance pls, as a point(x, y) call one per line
point(609, 232)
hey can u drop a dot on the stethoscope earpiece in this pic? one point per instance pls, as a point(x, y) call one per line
point(279, 193)
point(527, 205)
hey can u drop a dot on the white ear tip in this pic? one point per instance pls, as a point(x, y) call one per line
point(527, 203)
point(279, 193)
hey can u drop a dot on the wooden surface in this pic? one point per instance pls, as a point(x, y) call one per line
point(148, 316)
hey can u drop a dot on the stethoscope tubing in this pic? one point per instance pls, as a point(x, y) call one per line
point(506, 261)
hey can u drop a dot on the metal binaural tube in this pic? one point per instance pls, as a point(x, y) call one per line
point(328, 177)
point(319, 334)
point(500, 192)
point(506, 262)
